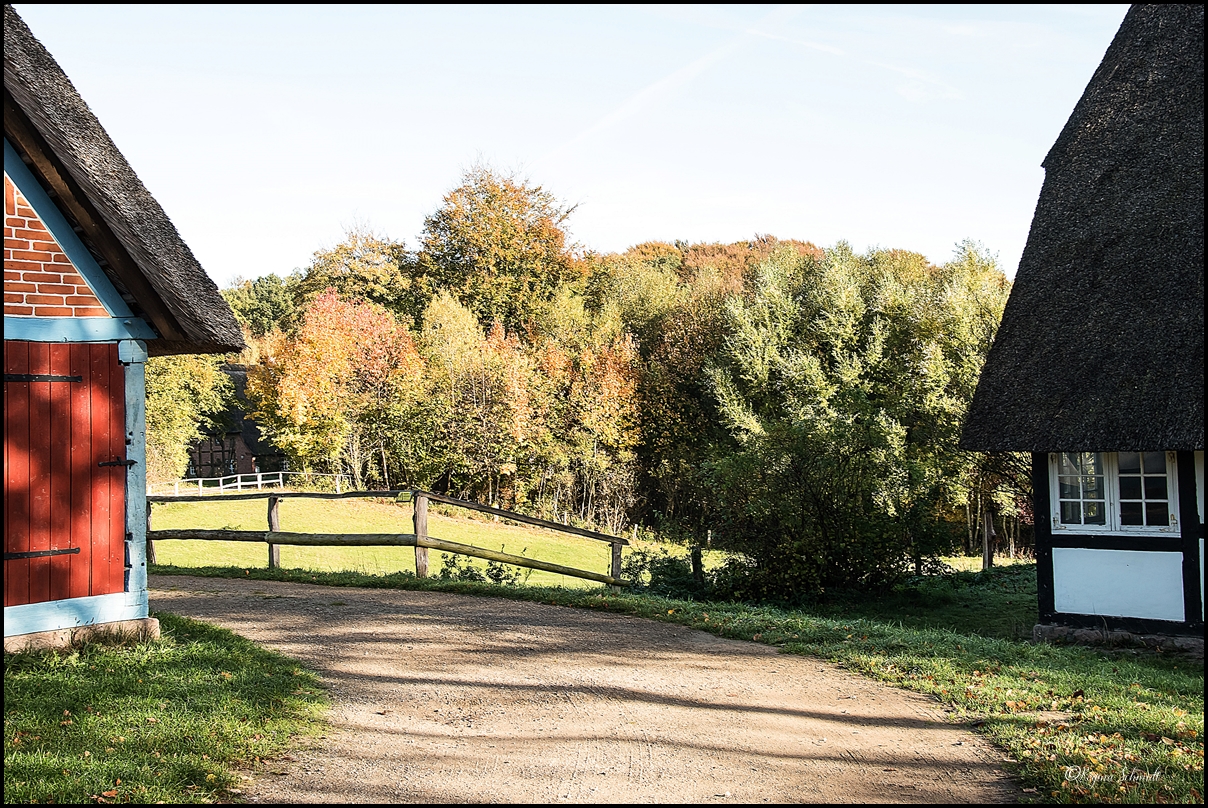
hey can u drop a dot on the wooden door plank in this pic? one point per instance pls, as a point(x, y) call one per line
point(39, 473)
point(82, 465)
point(16, 474)
point(99, 411)
point(117, 474)
point(59, 437)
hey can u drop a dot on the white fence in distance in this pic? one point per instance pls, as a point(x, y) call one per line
point(256, 481)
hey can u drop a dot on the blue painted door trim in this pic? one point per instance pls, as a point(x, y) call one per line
point(76, 329)
point(54, 615)
point(133, 354)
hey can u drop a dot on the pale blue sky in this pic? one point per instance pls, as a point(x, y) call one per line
point(266, 131)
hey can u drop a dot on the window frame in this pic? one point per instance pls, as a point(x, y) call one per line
point(1111, 483)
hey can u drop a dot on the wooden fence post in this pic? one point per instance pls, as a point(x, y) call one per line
point(615, 569)
point(698, 567)
point(988, 537)
point(150, 544)
point(420, 519)
point(274, 525)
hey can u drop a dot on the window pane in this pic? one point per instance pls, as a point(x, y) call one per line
point(1130, 513)
point(1155, 487)
point(1130, 462)
point(1092, 488)
point(1094, 513)
point(1091, 463)
point(1157, 514)
point(1071, 513)
point(1069, 487)
point(1130, 487)
point(1155, 462)
point(1069, 463)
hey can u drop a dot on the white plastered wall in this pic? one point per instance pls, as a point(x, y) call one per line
point(1118, 583)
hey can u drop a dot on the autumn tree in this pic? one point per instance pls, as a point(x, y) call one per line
point(498, 244)
point(604, 433)
point(338, 395)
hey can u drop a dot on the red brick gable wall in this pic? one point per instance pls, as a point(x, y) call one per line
point(39, 279)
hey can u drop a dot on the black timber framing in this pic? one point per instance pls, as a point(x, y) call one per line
point(1042, 516)
point(1191, 530)
point(1133, 625)
point(1187, 543)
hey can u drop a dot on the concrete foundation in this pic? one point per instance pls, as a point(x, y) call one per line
point(1193, 646)
point(146, 628)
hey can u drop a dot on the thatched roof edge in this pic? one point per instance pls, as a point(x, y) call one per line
point(202, 321)
point(1101, 345)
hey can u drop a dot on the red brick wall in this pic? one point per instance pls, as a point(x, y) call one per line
point(39, 280)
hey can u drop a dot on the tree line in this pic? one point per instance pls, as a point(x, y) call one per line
point(800, 406)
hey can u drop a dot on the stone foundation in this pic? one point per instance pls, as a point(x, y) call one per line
point(1043, 632)
point(146, 628)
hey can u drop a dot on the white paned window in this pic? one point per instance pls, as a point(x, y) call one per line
point(1124, 492)
point(1081, 492)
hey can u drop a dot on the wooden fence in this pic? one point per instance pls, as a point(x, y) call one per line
point(274, 537)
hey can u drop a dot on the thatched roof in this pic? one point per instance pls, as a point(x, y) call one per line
point(117, 218)
point(1101, 346)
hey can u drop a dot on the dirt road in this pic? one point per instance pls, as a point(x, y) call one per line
point(448, 698)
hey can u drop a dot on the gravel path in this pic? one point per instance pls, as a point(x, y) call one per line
point(449, 698)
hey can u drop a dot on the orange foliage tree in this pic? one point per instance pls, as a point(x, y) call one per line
point(338, 395)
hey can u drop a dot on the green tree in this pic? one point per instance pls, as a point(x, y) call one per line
point(367, 267)
point(185, 395)
point(264, 304)
point(498, 244)
point(478, 414)
point(842, 384)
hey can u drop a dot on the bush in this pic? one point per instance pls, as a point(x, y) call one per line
point(458, 568)
point(504, 574)
point(660, 573)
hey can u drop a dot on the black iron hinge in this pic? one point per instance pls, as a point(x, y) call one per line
point(117, 463)
point(40, 554)
point(40, 377)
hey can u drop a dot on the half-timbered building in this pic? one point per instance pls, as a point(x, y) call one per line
point(1098, 365)
point(96, 279)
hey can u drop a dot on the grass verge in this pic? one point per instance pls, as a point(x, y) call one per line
point(171, 721)
point(1000, 603)
point(1076, 724)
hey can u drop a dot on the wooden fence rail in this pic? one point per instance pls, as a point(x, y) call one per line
point(420, 539)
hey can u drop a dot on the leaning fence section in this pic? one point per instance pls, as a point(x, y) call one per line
point(274, 537)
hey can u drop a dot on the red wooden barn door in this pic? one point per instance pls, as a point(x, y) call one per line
point(64, 515)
